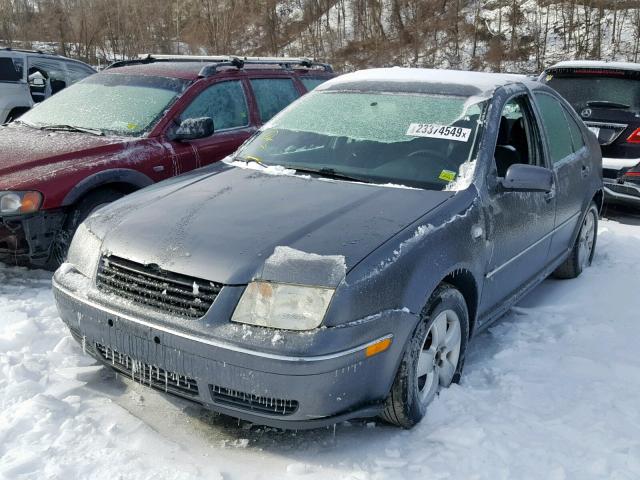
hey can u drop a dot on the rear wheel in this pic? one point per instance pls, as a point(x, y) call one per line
point(584, 248)
point(83, 208)
point(433, 359)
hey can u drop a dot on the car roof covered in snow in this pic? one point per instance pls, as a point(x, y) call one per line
point(596, 64)
point(423, 80)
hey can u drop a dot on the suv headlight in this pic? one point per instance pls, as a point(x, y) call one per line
point(280, 305)
point(84, 252)
point(20, 202)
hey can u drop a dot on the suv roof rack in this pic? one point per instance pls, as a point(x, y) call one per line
point(214, 62)
point(24, 50)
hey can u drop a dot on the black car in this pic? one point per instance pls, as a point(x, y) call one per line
point(607, 97)
point(337, 265)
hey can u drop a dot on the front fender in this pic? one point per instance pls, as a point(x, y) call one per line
point(115, 175)
point(404, 271)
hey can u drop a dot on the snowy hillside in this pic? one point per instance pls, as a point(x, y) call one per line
point(550, 392)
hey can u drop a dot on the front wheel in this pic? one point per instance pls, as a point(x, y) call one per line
point(584, 247)
point(433, 359)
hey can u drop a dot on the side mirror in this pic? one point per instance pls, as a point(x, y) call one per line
point(193, 128)
point(528, 178)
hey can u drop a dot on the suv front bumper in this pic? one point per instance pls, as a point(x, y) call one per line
point(292, 392)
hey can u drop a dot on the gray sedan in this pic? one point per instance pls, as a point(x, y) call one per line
point(339, 263)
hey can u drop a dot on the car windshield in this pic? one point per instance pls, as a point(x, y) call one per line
point(410, 139)
point(11, 69)
point(110, 103)
point(597, 91)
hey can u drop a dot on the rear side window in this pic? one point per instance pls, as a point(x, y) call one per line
point(576, 132)
point(311, 83)
point(555, 126)
point(76, 72)
point(224, 102)
point(11, 69)
point(272, 95)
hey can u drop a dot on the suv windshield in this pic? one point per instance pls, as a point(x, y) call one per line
point(410, 139)
point(586, 90)
point(110, 103)
point(11, 69)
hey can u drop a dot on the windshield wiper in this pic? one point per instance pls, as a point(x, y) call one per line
point(328, 173)
point(606, 104)
point(72, 128)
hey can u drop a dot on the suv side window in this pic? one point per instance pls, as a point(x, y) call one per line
point(310, 83)
point(76, 72)
point(225, 102)
point(517, 137)
point(11, 69)
point(555, 126)
point(576, 132)
point(52, 70)
point(272, 95)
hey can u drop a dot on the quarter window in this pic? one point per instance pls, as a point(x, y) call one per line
point(311, 83)
point(224, 102)
point(272, 95)
point(555, 126)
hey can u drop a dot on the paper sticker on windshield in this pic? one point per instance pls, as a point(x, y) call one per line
point(433, 130)
point(447, 175)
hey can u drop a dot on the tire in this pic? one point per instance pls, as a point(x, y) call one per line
point(423, 369)
point(78, 214)
point(584, 247)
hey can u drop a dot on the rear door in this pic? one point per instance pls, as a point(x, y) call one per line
point(520, 224)
point(226, 102)
point(571, 163)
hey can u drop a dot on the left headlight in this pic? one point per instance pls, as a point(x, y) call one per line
point(20, 202)
point(280, 305)
point(84, 251)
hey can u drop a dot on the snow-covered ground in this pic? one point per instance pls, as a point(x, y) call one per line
point(552, 391)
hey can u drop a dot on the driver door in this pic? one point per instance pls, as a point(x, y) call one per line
point(521, 223)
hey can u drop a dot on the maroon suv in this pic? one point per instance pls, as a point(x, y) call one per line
point(136, 123)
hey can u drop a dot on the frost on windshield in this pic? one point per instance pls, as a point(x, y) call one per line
point(288, 265)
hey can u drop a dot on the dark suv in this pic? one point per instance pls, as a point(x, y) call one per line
point(607, 97)
point(136, 123)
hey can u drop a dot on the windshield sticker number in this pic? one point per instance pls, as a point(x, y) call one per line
point(433, 130)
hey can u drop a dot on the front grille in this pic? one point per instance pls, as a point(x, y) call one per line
point(155, 288)
point(254, 403)
point(170, 382)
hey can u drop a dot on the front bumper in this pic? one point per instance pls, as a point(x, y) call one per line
point(27, 239)
point(279, 390)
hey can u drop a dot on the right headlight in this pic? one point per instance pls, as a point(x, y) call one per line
point(281, 305)
point(84, 252)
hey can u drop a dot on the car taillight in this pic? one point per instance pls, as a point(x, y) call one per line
point(634, 137)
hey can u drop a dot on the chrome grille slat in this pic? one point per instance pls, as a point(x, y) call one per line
point(157, 289)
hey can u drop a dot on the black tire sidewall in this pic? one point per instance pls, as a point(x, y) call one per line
point(444, 298)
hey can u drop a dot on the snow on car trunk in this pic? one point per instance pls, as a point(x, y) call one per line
point(550, 391)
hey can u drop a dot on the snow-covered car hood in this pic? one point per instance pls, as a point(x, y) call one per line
point(223, 226)
point(28, 152)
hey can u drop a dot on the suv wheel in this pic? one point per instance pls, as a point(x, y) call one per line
point(78, 214)
point(433, 359)
point(583, 250)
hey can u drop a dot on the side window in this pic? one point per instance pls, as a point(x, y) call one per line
point(272, 95)
point(11, 69)
point(76, 72)
point(225, 102)
point(310, 83)
point(517, 140)
point(576, 132)
point(555, 126)
point(52, 71)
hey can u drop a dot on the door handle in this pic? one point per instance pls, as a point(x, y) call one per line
point(585, 170)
